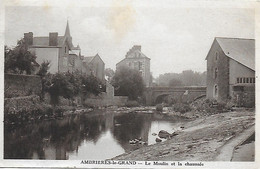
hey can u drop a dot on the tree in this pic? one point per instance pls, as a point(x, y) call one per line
point(175, 82)
point(58, 85)
point(42, 73)
point(91, 85)
point(128, 82)
point(19, 59)
point(43, 69)
point(109, 73)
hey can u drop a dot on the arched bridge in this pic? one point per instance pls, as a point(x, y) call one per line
point(156, 95)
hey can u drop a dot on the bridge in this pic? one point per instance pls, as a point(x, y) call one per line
point(155, 95)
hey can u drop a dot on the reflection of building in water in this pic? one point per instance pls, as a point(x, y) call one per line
point(128, 127)
point(109, 121)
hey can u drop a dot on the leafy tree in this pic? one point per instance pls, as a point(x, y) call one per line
point(91, 85)
point(58, 85)
point(175, 82)
point(109, 73)
point(128, 82)
point(43, 69)
point(187, 77)
point(42, 73)
point(19, 59)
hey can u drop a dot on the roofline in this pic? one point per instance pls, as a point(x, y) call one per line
point(227, 55)
point(121, 61)
point(210, 48)
point(234, 38)
point(41, 46)
point(225, 38)
point(240, 63)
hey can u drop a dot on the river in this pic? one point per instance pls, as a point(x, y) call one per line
point(96, 135)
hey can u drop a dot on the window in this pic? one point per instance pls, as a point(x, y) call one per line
point(238, 80)
point(247, 80)
point(244, 80)
point(216, 73)
point(140, 65)
point(253, 80)
point(215, 92)
point(65, 49)
point(216, 57)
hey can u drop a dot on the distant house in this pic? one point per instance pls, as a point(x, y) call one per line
point(135, 59)
point(53, 48)
point(94, 65)
point(231, 70)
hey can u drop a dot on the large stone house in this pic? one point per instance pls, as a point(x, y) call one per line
point(135, 59)
point(52, 48)
point(63, 55)
point(231, 71)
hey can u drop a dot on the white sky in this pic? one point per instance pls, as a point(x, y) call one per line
point(175, 39)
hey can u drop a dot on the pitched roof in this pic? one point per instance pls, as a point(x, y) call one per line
point(238, 49)
point(44, 41)
point(67, 31)
point(88, 59)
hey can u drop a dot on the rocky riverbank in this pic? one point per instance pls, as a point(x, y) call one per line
point(197, 140)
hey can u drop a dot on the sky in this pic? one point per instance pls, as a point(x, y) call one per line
point(174, 38)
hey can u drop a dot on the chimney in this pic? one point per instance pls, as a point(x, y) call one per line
point(28, 38)
point(53, 39)
point(137, 47)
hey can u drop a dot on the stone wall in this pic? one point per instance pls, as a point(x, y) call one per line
point(21, 85)
point(17, 104)
point(245, 97)
point(217, 60)
point(103, 100)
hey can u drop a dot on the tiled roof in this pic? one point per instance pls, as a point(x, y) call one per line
point(44, 41)
point(238, 49)
point(88, 59)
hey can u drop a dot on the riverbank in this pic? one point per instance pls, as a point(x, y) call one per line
point(199, 140)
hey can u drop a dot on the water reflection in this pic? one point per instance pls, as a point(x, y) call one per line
point(99, 135)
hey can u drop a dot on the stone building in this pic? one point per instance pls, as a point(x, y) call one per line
point(63, 55)
point(231, 71)
point(52, 48)
point(135, 59)
point(94, 65)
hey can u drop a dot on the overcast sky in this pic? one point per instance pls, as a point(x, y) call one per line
point(175, 39)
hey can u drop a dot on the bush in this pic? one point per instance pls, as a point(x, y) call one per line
point(181, 107)
point(209, 107)
point(159, 107)
point(131, 103)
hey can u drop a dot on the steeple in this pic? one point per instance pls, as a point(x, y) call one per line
point(67, 31)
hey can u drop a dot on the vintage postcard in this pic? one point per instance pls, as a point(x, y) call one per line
point(129, 84)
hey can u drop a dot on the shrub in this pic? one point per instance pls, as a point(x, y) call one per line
point(181, 107)
point(209, 107)
point(159, 107)
point(131, 103)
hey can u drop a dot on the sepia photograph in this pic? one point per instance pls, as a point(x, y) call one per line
point(126, 81)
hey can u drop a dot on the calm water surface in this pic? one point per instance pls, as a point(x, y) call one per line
point(99, 135)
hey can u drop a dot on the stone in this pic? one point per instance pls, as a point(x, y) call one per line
point(164, 134)
point(158, 140)
point(173, 134)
